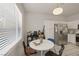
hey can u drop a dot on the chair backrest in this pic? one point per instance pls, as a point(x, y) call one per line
point(61, 50)
point(35, 33)
point(51, 40)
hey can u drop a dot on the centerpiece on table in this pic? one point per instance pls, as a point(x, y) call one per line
point(40, 40)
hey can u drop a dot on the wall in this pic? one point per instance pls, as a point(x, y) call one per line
point(21, 8)
point(34, 21)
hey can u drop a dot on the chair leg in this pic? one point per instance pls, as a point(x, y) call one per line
point(54, 49)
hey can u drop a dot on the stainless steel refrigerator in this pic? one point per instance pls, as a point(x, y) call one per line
point(60, 33)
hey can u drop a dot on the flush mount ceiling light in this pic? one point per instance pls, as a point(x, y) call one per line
point(58, 11)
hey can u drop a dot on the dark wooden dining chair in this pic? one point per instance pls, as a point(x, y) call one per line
point(28, 51)
point(51, 53)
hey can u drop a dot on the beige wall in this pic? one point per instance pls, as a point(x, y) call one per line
point(34, 21)
point(20, 6)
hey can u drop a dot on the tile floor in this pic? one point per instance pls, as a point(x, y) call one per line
point(70, 50)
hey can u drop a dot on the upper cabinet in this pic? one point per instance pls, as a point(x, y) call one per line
point(72, 25)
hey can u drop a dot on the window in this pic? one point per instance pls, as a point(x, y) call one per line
point(3, 34)
point(10, 26)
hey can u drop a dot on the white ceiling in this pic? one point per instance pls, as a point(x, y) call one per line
point(46, 8)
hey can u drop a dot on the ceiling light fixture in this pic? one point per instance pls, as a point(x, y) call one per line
point(58, 11)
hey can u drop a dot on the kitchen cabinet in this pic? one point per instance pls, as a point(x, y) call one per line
point(72, 38)
point(72, 25)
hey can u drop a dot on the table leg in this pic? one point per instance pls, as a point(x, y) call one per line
point(41, 53)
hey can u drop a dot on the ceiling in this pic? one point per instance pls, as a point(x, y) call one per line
point(47, 8)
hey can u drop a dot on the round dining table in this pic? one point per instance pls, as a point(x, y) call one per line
point(45, 45)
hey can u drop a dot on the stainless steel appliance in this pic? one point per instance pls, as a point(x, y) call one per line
point(60, 33)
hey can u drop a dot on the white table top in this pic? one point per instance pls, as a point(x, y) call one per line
point(46, 45)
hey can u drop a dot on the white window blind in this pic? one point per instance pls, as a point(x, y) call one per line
point(3, 39)
point(3, 33)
